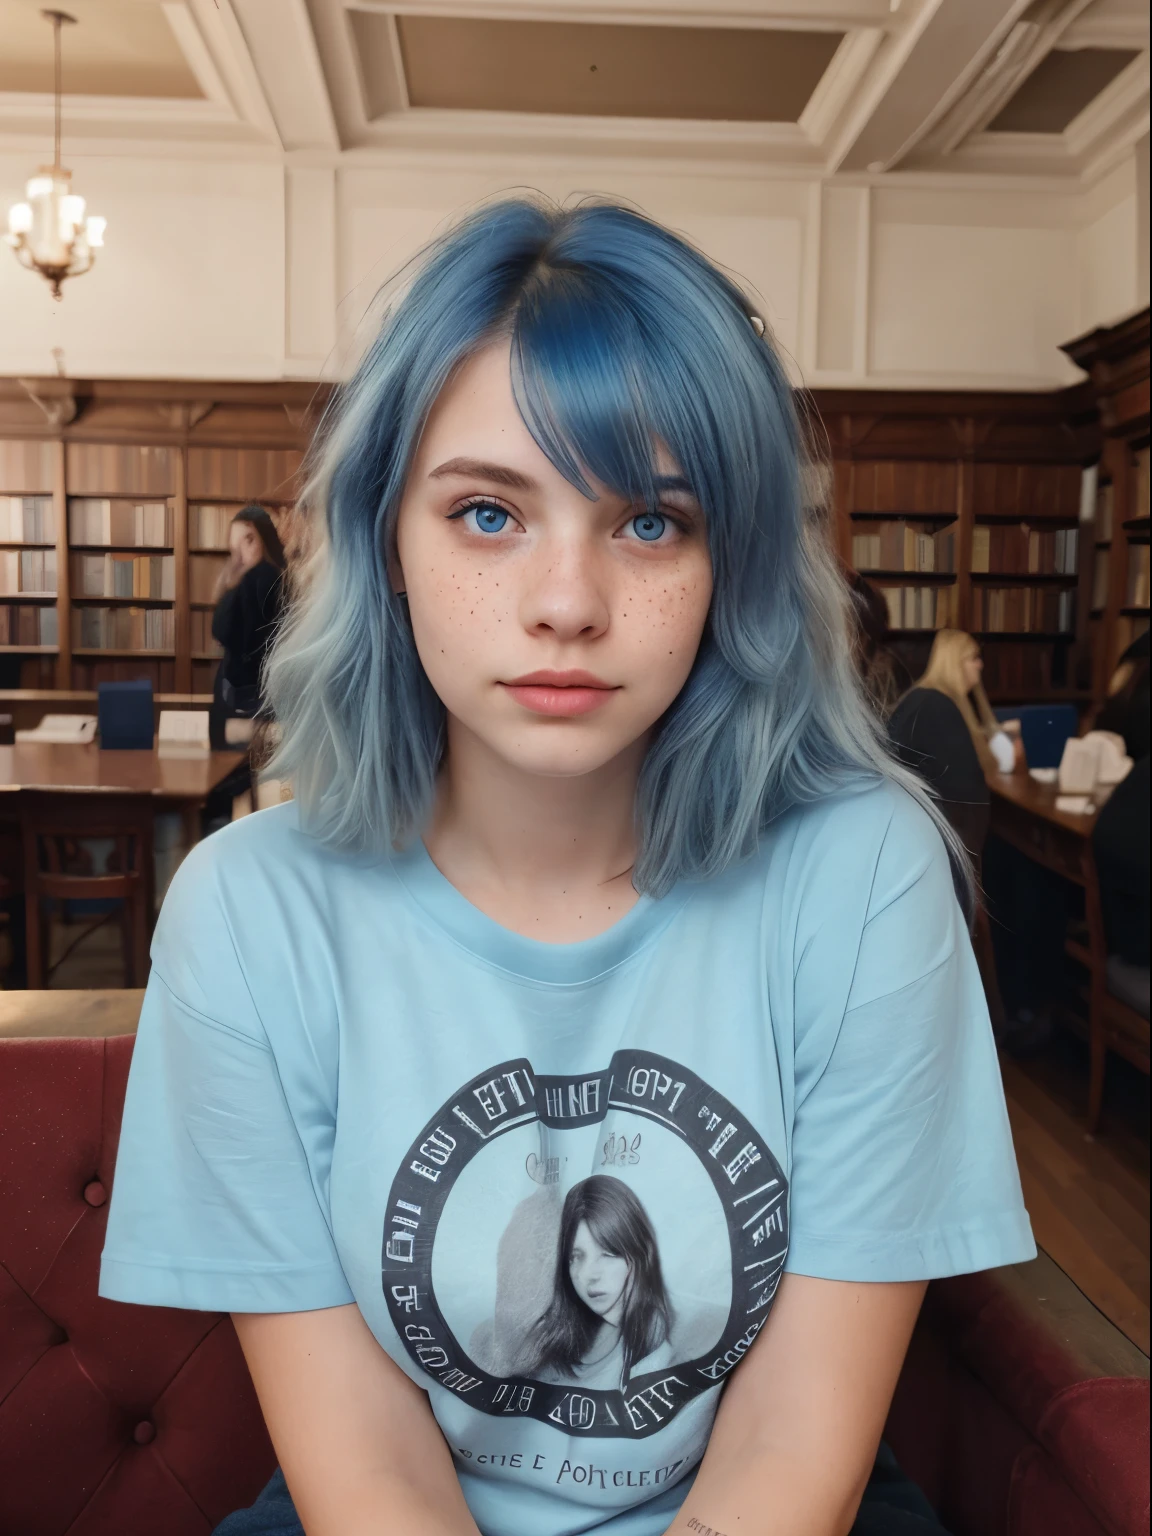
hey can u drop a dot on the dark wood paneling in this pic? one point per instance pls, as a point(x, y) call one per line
point(244, 474)
point(904, 486)
point(25, 467)
point(110, 469)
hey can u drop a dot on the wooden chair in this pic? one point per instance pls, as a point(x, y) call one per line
point(54, 826)
point(1113, 1025)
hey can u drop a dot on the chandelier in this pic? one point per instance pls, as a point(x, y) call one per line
point(50, 233)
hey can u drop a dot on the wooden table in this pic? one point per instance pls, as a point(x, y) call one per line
point(89, 770)
point(69, 1015)
point(1024, 814)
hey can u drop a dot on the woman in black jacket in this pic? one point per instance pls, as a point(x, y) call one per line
point(249, 603)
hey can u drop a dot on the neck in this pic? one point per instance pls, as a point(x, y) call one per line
point(549, 857)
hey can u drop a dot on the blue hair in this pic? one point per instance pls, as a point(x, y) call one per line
point(621, 335)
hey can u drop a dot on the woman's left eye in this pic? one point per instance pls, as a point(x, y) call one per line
point(483, 517)
point(649, 527)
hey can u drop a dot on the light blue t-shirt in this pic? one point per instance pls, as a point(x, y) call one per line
point(561, 1182)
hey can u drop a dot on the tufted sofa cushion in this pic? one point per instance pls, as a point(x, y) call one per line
point(114, 1420)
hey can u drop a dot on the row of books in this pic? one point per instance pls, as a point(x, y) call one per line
point(1023, 610)
point(208, 524)
point(920, 607)
point(124, 576)
point(27, 520)
point(1017, 550)
point(202, 641)
point(899, 547)
point(1024, 671)
point(27, 570)
point(202, 573)
point(26, 624)
point(123, 629)
point(141, 524)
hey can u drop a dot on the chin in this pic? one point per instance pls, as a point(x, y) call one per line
point(565, 754)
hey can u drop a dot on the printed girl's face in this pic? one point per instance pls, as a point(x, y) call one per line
point(245, 545)
point(598, 1277)
point(555, 629)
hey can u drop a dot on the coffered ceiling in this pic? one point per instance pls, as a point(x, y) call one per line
point(1056, 88)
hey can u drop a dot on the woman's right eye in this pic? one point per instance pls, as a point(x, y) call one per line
point(483, 517)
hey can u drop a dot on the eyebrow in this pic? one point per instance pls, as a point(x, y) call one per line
point(481, 469)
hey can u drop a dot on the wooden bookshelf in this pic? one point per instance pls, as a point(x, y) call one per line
point(946, 467)
point(120, 463)
point(1117, 363)
point(981, 494)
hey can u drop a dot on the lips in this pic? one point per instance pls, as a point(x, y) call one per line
point(562, 694)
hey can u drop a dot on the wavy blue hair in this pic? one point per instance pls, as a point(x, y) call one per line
point(621, 335)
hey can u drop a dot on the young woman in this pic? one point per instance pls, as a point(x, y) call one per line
point(944, 729)
point(590, 822)
point(609, 1314)
point(249, 601)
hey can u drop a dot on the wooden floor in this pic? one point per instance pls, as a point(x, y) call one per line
point(1088, 1200)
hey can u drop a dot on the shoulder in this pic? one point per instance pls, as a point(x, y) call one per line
point(879, 824)
point(243, 890)
point(924, 706)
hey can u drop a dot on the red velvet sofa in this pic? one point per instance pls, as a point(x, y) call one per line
point(1015, 1418)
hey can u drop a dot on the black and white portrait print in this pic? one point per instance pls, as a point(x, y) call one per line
point(593, 1252)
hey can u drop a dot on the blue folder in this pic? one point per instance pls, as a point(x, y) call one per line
point(125, 714)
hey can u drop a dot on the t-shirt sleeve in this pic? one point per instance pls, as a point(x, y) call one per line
point(215, 1200)
point(902, 1160)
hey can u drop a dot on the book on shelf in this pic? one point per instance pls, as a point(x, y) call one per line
point(209, 524)
point(202, 642)
point(27, 624)
point(1141, 483)
point(1105, 504)
point(117, 575)
point(1023, 610)
point(899, 547)
point(1136, 595)
point(123, 629)
point(27, 520)
point(99, 520)
point(203, 571)
point(1099, 578)
point(1022, 670)
point(920, 607)
point(27, 570)
point(1017, 550)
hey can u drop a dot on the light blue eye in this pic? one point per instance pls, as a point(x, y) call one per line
point(649, 526)
point(488, 518)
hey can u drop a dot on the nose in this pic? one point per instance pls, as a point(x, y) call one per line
point(566, 596)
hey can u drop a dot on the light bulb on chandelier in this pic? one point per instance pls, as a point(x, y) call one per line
point(50, 232)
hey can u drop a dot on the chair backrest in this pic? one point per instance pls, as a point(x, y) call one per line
point(1044, 728)
point(112, 1418)
point(58, 824)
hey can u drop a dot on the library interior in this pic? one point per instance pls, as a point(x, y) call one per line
point(935, 215)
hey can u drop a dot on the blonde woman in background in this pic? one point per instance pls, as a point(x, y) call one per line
point(944, 730)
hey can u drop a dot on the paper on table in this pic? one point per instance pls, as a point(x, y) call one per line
point(61, 731)
point(183, 733)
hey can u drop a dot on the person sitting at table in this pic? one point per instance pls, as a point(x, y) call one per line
point(1120, 847)
point(944, 730)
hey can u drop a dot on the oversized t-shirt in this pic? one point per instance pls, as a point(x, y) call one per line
point(562, 1181)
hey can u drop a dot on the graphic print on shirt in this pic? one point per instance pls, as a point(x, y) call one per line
point(592, 1252)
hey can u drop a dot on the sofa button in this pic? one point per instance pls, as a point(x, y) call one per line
point(95, 1193)
point(144, 1433)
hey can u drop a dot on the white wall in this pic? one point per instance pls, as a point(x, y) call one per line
point(234, 269)
point(1108, 255)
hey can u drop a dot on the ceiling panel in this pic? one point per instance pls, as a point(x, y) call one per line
point(1059, 89)
point(720, 74)
point(117, 48)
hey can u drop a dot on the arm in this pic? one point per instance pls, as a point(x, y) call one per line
point(798, 1426)
point(359, 1446)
